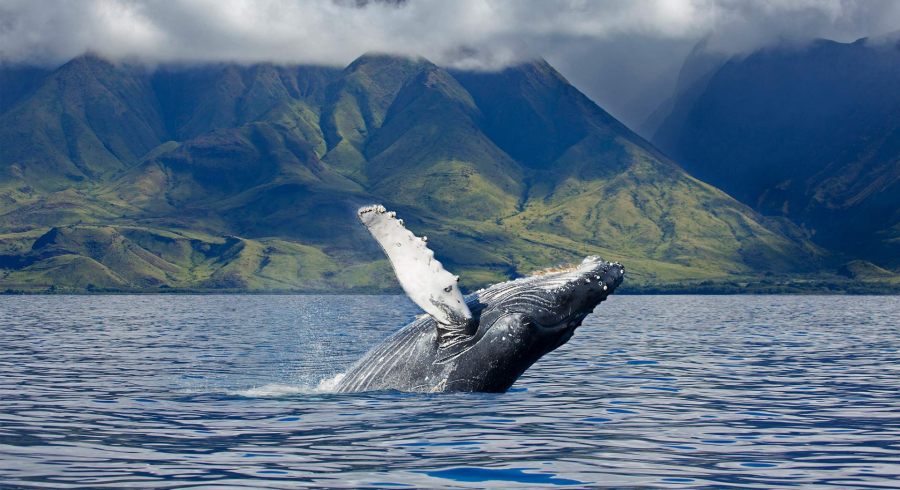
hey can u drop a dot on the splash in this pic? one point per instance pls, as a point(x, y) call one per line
point(282, 390)
point(329, 385)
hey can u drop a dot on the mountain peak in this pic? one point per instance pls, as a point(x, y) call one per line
point(534, 70)
point(374, 61)
point(89, 58)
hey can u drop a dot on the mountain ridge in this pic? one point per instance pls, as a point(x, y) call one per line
point(450, 151)
point(811, 134)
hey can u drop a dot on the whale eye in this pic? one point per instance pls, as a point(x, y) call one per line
point(528, 321)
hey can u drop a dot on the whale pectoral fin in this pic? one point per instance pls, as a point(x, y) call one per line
point(422, 277)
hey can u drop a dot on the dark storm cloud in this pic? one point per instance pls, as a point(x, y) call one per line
point(612, 50)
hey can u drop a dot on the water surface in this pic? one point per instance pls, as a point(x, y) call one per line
point(654, 392)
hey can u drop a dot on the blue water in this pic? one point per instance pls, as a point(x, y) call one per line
point(652, 392)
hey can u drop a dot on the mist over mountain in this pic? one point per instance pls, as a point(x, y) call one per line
point(248, 177)
point(808, 133)
point(623, 55)
point(697, 69)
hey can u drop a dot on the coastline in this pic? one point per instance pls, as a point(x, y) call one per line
point(817, 287)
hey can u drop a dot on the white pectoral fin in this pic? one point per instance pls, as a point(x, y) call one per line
point(422, 277)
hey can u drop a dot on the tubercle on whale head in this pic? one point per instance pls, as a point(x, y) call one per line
point(577, 292)
point(558, 299)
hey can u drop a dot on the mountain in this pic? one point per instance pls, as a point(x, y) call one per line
point(807, 133)
point(198, 99)
point(17, 80)
point(86, 121)
point(247, 178)
point(418, 140)
point(693, 77)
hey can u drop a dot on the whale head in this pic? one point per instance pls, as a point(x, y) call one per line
point(519, 321)
point(556, 299)
point(570, 295)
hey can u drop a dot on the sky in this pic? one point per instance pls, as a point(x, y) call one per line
point(625, 55)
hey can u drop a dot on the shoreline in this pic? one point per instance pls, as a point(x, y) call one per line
point(806, 288)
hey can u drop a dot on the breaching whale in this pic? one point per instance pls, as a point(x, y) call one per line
point(480, 343)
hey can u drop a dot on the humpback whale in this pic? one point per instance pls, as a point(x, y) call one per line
point(479, 343)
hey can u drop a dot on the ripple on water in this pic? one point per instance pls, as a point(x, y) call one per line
point(237, 391)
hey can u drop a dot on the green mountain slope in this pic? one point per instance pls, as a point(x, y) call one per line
point(86, 122)
point(597, 183)
point(18, 80)
point(809, 134)
point(129, 257)
point(430, 153)
point(195, 100)
point(249, 178)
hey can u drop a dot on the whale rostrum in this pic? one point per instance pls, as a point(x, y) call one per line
point(482, 342)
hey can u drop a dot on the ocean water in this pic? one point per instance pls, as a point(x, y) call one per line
point(211, 392)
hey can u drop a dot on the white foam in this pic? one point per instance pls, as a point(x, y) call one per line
point(329, 385)
point(282, 390)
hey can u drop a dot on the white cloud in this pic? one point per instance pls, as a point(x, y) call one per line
point(336, 32)
point(615, 51)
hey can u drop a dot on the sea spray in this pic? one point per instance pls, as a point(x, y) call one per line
point(282, 390)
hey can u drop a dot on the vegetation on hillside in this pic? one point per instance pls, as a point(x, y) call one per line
point(247, 178)
point(811, 134)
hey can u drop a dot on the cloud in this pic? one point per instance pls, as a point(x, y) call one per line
point(611, 49)
point(477, 33)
